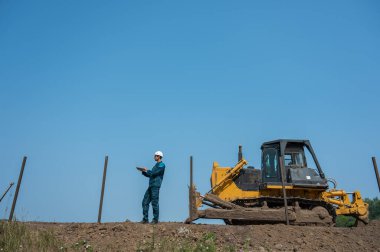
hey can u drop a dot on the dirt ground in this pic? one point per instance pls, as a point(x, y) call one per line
point(172, 236)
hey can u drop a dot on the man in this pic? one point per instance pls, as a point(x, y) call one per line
point(155, 176)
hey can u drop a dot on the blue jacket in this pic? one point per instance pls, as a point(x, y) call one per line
point(156, 175)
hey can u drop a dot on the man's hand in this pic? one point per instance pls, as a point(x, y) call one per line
point(142, 169)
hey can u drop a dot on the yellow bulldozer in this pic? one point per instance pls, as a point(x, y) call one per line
point(285, 190)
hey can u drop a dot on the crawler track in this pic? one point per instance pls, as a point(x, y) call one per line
point(308, 212)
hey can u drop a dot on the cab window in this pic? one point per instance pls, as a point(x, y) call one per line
point(294, 159)
point(270, 163)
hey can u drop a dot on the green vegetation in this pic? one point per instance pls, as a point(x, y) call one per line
point(82, 246)
point(374, 208)
point(206, 244)
point(15, 236)
point(345, 221)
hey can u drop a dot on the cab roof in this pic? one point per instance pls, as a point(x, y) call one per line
point(285, 141)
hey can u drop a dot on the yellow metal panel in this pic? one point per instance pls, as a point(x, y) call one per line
point(231, 192)
point(278, 187)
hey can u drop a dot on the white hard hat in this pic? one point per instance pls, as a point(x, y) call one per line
point(159, 153)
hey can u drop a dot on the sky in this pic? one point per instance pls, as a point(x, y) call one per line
point(80, 80)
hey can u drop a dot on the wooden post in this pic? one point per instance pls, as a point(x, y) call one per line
point(376, 171)
point(17, 189)
point(240, 153)
point(191, 203)
point(6, 191)
point(102, 192)
point(283, 174)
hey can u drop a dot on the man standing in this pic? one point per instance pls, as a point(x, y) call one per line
point(155, 176)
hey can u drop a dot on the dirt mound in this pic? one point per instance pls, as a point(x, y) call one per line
point(130, 236)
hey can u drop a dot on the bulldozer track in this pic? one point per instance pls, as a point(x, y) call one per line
point(278, 202)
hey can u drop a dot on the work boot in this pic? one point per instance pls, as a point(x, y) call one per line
point(154, 222)
point(144, 221)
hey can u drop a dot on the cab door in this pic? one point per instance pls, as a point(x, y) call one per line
point(270, 165)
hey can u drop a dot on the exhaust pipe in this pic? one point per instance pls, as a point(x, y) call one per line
point(240, 153)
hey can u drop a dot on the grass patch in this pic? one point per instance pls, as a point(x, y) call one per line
point(82, 246)
point(206, 244)
point(16, 236)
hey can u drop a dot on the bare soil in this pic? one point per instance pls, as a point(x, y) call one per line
point(171, 236)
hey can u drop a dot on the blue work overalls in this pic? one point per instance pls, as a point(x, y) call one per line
point(155, 176)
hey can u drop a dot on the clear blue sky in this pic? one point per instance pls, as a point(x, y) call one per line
point(82, 79)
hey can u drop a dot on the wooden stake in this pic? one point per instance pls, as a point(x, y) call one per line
point(191, 203)
point(17, 189)
point(283, 175)
point(102, 192)
point(376, 171)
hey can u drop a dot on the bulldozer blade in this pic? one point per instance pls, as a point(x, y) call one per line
point(257, 215)
point(318, 216)
point(219, 202)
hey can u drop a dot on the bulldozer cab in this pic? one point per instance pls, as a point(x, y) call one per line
point(295, 164)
